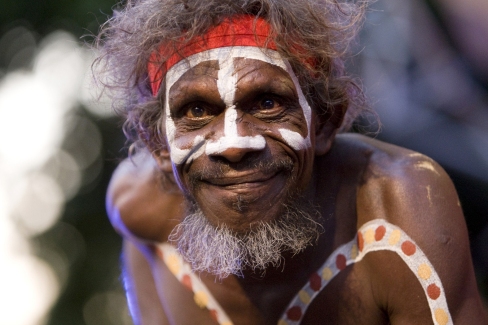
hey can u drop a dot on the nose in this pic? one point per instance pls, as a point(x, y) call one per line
point(233, 154)
point(233, 146)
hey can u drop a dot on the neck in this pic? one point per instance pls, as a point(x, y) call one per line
point(281, 284)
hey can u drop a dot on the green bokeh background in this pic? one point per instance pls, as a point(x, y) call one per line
point(95, 268)
point(96, 265)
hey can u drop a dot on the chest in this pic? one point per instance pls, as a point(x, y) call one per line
point(346, 299)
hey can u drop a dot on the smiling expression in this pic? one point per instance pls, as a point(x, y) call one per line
point(239, 131)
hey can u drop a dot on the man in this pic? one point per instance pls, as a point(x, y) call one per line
point(249, 208)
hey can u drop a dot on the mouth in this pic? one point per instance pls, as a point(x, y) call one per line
point(247, 179)
point(248, 192)
point(240, 197)
point(239, 187)
point(250, 186)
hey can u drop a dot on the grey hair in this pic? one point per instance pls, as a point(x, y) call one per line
point(321, 29)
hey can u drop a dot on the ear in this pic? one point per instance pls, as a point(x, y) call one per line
point(163, 160)
point(326, 130)
point(159, 151)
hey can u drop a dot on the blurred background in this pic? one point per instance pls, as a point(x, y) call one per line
point(424, 65)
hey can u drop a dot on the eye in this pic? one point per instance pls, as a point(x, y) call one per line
point(268, 103)
point(197, 111)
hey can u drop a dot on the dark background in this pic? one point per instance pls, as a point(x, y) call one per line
point(91, 291)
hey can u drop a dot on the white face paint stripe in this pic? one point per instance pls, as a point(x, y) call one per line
point(180, 156)
point(226, 84)
point(295, 139)
point(230, 124)
point(307, 112)
point(221, 54)
point(227, 80)
point(231, 139)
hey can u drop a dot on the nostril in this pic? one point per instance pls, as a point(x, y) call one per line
point(234, 154)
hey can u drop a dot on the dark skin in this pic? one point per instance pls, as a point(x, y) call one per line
point(198, 110)
point(351, 178)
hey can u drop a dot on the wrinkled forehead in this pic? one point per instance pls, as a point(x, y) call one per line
point(225, 57)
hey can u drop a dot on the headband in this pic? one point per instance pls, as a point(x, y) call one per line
point(241, 30)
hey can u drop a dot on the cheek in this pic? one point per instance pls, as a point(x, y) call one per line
point(294, 136)
point(184, 149)
point(297, 133)
point(294, 139)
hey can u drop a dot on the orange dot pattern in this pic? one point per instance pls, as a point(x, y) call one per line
point(182, 271)
point(375, 235)
point(392, 238)
point(379, 233)
point(335, 263)
point(408, 248)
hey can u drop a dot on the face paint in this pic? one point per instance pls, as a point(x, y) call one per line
point(426, 165)
point(227, 83)
point(231, 139)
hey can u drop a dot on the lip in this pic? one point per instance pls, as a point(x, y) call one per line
point(252, 186)
point(243, 179)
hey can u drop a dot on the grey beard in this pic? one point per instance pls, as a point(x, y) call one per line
point(221, 251)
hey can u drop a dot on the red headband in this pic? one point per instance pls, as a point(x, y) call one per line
point(241, 30)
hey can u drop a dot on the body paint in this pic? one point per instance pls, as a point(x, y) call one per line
point(375, 235)
point(231, 138)
point(226, 84)
point(426, 165)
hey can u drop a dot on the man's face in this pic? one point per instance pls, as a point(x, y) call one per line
point(240, 134)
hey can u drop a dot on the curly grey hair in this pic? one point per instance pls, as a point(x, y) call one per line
point(321, 29)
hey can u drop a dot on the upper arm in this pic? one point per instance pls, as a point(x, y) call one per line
point(142, 211)
point(137, 206)
point(415, 194)
point(142, 297)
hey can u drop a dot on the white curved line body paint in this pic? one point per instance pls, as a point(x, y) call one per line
point(226, 84)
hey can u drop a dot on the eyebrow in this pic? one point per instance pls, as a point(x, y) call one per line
point(194, 90)
point(281, 83)
point(197, 89)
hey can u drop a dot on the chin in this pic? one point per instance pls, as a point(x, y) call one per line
point(241, 207)
point(246, 240)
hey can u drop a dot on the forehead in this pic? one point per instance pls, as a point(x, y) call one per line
point(244, 74)
point(225, 58)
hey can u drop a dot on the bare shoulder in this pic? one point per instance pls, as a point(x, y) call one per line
point(403, 187)
point(412, 192)
point(137, 204)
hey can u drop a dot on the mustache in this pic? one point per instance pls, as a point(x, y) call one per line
point(221, 168)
